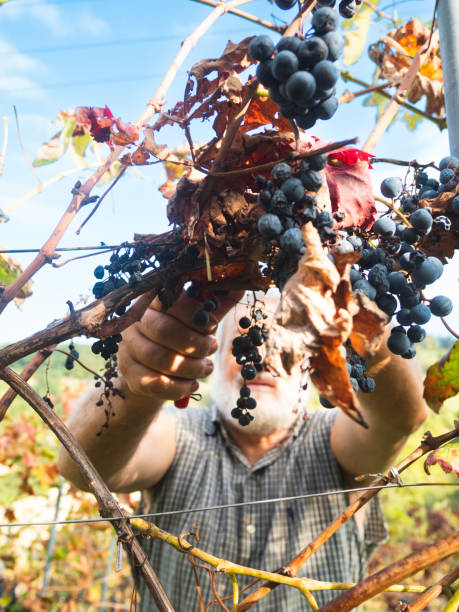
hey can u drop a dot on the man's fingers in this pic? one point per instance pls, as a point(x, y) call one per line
point(170, 332)
point(167, 361)
point(146, 382)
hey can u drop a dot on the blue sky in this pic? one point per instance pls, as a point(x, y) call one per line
point(58, 55)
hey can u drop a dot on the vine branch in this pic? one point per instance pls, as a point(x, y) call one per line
point(421, 602)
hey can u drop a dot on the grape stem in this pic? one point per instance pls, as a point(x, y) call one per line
point(451, 331)
point(400, 162)
point(393, 209)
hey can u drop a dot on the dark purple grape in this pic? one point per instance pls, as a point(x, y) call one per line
point(269, 226)
point(326, 109)
point(427, 272)
point(363, 286)
point(446, 175)
point(312, 180)
point(300, 87)
point(398, 343)
point(391, 187)
point(209, 305)
point(420, 314)
point(367, 384)
point(409, 234)
point(325, 20)
point(284, 64)
point(285, 4)
point(325, 403)
point(441, 306)
point(265, 75)
point(404, 317)
point(311, 51)
point(281, 172)
point(244, 391)
point(335, 44)
point(421, 219)
point(317, 162)
point(326, 74)
point(289, 43)
point(448, 162)
point(292, 240)
point(410, 353)
point(306, 121)
point(200, 318)
point(416, 333)
point(293, 189)
point(347, 9)
point(244, 323)
point(261, 48)
point(384, 226)
point(387, 303)
point(99, 272)
point(248, 371)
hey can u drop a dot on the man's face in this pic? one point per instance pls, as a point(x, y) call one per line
point(278, 399)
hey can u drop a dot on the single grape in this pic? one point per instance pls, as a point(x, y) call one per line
point(244, 391)
point(289, 43)
point(311, 51)
point(312, 180)
point(384, 226)
point(410, 353)
point(285, 4)
point(325, 20)
point(441, 306)
point(200, 318)
point(367, 384)
point(99, 272)
point(347, 9)
point(408, 205)
point(300, 87)
point(326, 109)
point(246, 418)
point(236, 413)
point(420, 314)
point(325, 403)
point(281, 172)
point(421, 178)
point(324, 219)
point(244, 323)
point(448, 162)
point(318, 162)
point(335, 44)
point(409, 234)
point(261, 48)
point(455, 205)
point(421, 219)
point(387, 303)
point(209, 306)
point(446, 175)
point(292, 240)
point(306, 121)
point(391, 187)
point(428, 194)
point(325, 73)
point(427, 272)
point(248, 371)
point(269, 226)
point(404, 316)
point(293, 189)
point(416, 333)
point(250, 403)
point(432, 183)
point(378, 276)
point(265, 75)
point(284, 64)
point(363, 286)
point(398, 343)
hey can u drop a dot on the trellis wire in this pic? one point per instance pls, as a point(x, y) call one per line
point(225, 506)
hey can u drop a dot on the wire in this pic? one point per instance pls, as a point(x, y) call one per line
point(225, 506)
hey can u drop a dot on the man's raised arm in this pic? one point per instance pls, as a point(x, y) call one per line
point(160, 358)
point(393, 411)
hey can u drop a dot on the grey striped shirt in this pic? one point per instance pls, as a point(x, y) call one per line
point(209, 469)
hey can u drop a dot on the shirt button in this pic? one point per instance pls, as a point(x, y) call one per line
point(250, 529)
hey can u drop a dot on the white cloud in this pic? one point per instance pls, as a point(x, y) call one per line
point(16, 71)
point(53, 18)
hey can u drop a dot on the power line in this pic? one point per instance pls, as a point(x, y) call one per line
point(111, 43)
point(225, 506)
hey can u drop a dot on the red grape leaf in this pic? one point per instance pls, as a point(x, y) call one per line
point(442, 379)
point(447, 457)
point(350, 188)
point(263, 111)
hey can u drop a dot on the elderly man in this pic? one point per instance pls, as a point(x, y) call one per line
point(202, 457)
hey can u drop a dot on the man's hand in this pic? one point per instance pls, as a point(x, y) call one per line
point(160, 358)
point(162, 355)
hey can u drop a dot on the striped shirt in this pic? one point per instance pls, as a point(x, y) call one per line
point(209, 469)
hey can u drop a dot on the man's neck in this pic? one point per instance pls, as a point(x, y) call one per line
point(255, 446)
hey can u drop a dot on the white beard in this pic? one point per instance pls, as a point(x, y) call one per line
point(277, 407)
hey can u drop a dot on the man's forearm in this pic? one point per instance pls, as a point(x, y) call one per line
point(109, 448)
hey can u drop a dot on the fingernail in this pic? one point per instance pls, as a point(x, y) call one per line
point(213, 344)
point(194, 386)
point(209, 366)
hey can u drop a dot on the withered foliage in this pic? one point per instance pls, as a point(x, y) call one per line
point(393, 56)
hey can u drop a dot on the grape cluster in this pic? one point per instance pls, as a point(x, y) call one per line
point(300, 74)
point(395, 272)
point(70, 359)
point(108, 347)
point(246, 351)
point(356, 367)
point(209, 302)
point(289, 200)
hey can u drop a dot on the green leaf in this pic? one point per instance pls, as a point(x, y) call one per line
point(9, 271)
point(55, 148)
point(357, 32)
point(79, 144)
point(442, 379)
point(412, 120)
